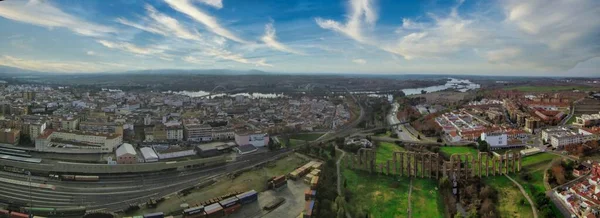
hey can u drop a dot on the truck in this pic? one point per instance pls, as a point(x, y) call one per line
point(274, 204)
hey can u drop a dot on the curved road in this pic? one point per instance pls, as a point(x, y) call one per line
point(535, 215)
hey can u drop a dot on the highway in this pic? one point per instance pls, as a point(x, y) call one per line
point(116, 192)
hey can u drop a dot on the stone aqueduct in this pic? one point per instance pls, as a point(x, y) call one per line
point(431, 165)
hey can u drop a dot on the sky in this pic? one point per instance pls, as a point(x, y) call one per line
point(504, 37)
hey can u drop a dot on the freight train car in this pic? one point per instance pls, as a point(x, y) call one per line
point(79, 178)
point(4, 213)
point(214, 211)
point(18, 215)
point(247, 197)
point(55, 212)
point(155, 215)
point(194, 212)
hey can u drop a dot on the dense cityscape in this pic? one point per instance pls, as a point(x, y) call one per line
point(299, 109)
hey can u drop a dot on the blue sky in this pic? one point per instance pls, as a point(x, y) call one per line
point(505, 37)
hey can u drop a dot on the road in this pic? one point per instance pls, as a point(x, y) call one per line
point(339, 174)
point(535, 215)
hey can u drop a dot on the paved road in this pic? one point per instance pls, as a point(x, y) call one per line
point(535, 215)
point(339, 175)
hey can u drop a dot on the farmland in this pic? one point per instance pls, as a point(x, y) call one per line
point(550, 88)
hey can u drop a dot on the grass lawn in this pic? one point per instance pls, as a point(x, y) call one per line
point(458, 150)
point(385, 151)
point(537, 159)
point(572, 119)
point(549, 88)
point(379, 196)
point(510, 198)
point(306, 136)
point(254, 179)
point(425, 200)
point(534, 166)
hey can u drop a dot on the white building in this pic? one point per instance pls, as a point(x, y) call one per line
point(255, 139)
point(149, 155)
point(126, 154)
point(175, 133)
point(495, 140)
point(559, 140)
point(198, 132)
point(77, 142)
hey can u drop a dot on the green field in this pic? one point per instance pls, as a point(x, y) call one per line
point(306, 136)
point(449, 150)
point(550, 88)
point(425, 200)
point(537, 159)
point(534, 166)
point(572, 119)
point(511, 202)
point(379, 196)
point(385, 151)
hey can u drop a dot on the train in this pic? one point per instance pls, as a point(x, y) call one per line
point(66, 177)
point(43, 212)
point(222, 208)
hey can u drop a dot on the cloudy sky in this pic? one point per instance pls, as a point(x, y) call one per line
point(505, 37)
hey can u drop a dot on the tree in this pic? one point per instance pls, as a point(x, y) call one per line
point(559, 173)
point(473, 213)
point(272, 145)
point(458, 215)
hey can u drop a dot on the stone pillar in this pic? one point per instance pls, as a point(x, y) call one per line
point(437, 166)
point(514, 164)
point(423, 165)
point(494, 160)
point(487, 165)
point(395, 158)
point(402, 164)
point(416, 165)
point(519, 163)
point(388, 167)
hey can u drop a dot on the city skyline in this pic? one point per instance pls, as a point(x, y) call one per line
point(508, 37)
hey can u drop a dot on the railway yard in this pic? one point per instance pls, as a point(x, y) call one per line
point(108, 192)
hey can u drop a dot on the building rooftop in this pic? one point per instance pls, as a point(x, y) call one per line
point(125, 148)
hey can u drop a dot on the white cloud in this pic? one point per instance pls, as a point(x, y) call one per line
point(131, 48)
point(42, 13)
point(444, 36)
point(162, 24)
point(566, 31)
point(186, 7)
point(196, 60)
point(360, 61)
point(91, 53)
point(502, 55)
point(59, 67)
point(214, 3)
point(270, 39)
point(227, 55)
point(361, 12)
